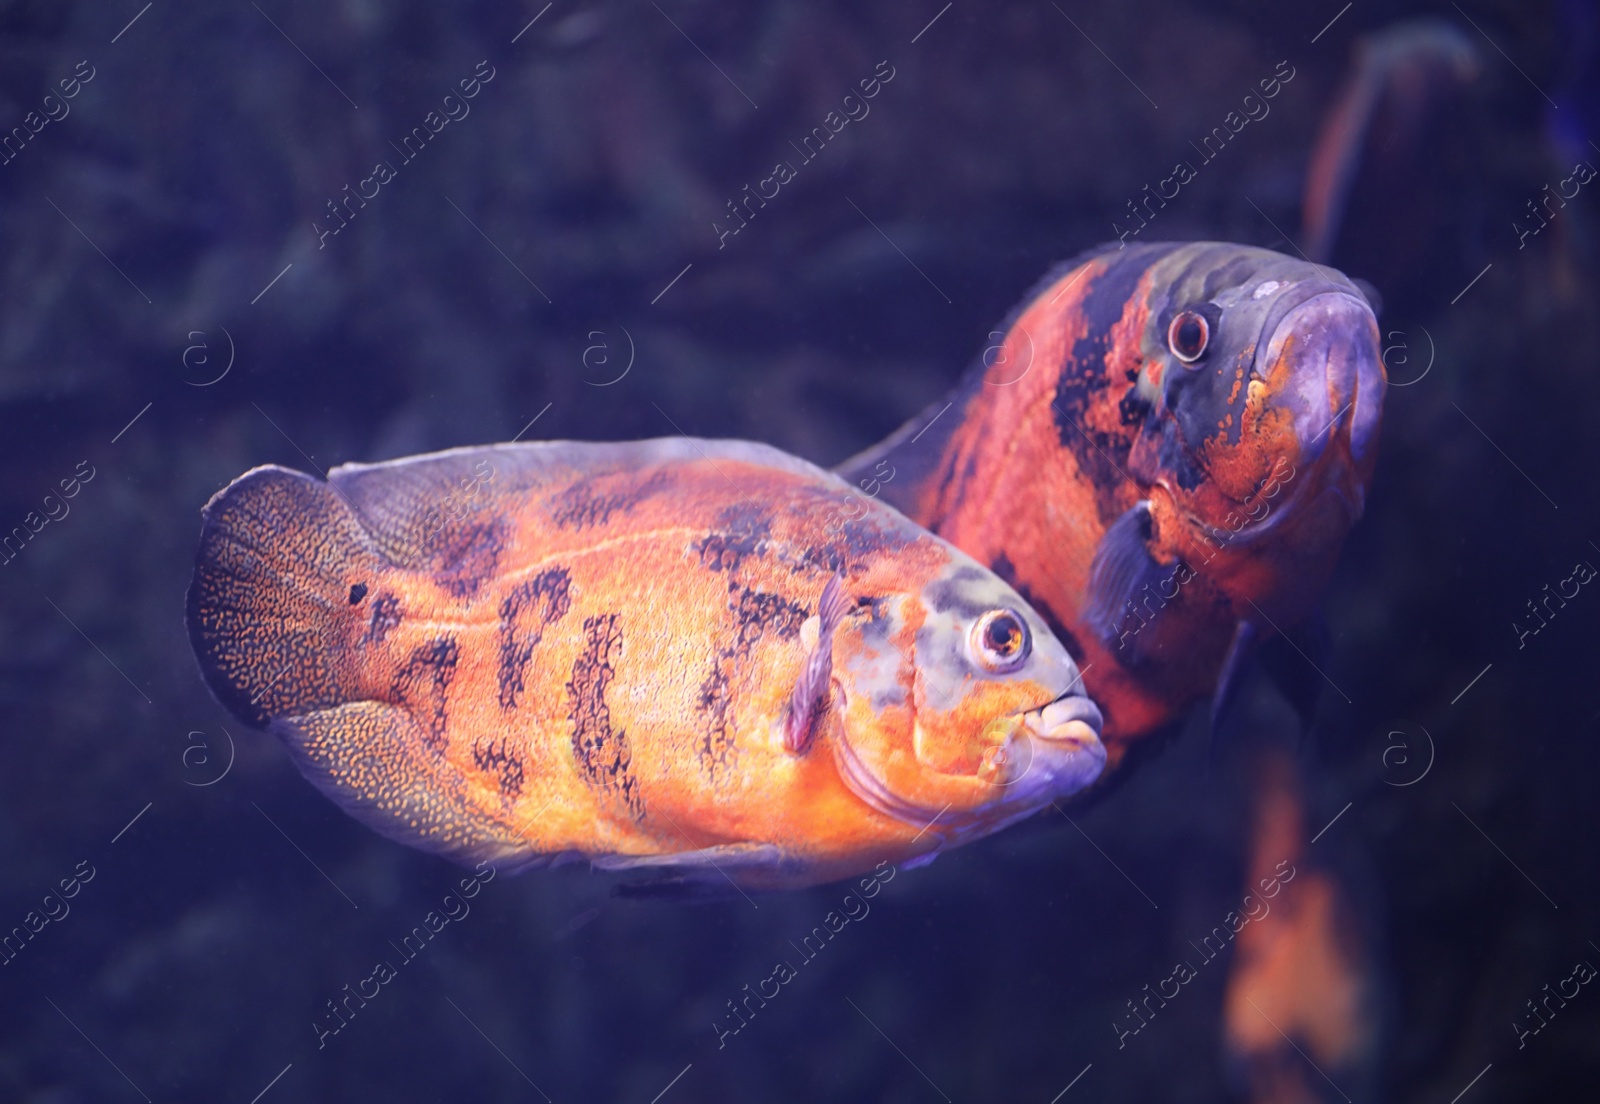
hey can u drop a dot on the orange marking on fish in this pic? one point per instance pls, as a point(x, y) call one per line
point(1238, 382)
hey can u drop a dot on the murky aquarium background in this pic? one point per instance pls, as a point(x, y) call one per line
point(310, 234)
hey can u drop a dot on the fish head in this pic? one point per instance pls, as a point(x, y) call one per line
point(1264, 387)
point(963, 712)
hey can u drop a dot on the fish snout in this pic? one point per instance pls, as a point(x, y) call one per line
point(1328, 342)
point(1071, 719)
point(1055, 749)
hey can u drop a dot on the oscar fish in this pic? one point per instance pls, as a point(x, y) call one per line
point(693, 660)
point(1163, 453)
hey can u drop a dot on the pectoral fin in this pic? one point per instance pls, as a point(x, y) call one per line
point(810, 697)
point(1292, 660)
point(1295, 662)
point(1234, 666)
point(1122, 567)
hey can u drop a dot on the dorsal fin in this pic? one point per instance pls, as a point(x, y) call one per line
point(436, 511)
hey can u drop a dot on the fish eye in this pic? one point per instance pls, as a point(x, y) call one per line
point(1000, 640)
point(1187, 336)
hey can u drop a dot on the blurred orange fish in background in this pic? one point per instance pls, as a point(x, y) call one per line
point(1307, 975)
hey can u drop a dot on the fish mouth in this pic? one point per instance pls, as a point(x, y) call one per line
point(1056, 747)
point(1030, 759)
point(1334, 385)
point(1319, 352)
point(1071, 718)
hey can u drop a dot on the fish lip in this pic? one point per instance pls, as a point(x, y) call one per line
point(1070, 708)
point(1295, 296)
point(1319, 313)
point(1067, 740)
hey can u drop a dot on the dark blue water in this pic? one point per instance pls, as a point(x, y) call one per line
point(310, 234)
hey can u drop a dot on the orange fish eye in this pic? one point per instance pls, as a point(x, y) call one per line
point(1187, 336)
point(1000, 640)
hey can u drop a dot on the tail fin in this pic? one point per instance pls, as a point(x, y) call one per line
point(279, 618)
point(272, 609)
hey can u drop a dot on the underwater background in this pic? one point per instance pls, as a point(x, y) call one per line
point(187, 290)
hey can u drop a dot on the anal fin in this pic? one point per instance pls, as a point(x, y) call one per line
point(372, 760)
point(707, 874)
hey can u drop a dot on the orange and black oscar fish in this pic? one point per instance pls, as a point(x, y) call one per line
point(1163, 455)
point(695, 660)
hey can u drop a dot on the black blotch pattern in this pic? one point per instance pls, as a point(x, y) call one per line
point(423, 683)
point(1173, 454)
point(823, 559)
point(602, 755)
point(1082, 378)
point(755, 613)
point(1002, 566)
point(864, 538)
point(497, 757)
point(945, 593)
point(1231, 273)
point(579, 507)
point(1194, 404)
point(385, 616)
point(468, 556)
point(742, 531)
point(524, 615)
point(1133, 409)
point(358, 592)
point(716, 746)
